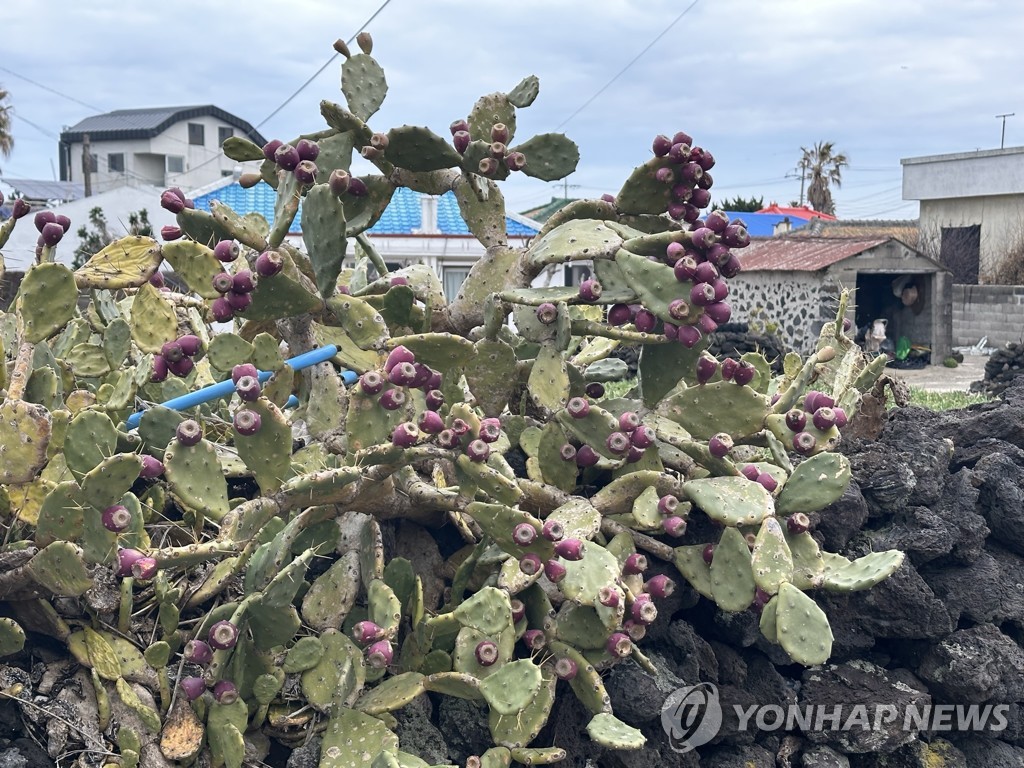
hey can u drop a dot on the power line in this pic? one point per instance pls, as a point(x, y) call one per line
point(633, 61)
point(51, 90)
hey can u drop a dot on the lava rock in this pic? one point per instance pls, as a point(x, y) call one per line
point(975, 665)
point(885, 478)
point(418, 735)
point(1001, 498)
point(464, 724)
point(694, 659)
point(823, 757)
point(306, 756)
point(637, 697)
point(751, 756)
point(841, 519)
point(916, 754)
point(988, 590)
point(990, 753)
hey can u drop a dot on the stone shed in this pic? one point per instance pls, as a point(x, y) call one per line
point(794, 283)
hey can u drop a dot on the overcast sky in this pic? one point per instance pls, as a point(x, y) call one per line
point(751, 81)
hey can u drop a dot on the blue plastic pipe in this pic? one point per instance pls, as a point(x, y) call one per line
point(227, 388)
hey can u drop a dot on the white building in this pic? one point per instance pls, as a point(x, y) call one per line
point(160, 146)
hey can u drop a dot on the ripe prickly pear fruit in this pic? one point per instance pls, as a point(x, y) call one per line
point(534, 639)
point(619, 645)
point(270, 149)
point(518, 610)
point(241, 282)
point(590, 290)
point(702, 294)
point(679, 310)
point(644, 321)
point(705, 272)
point(767, 482)
point(192, 687)
point(660, 586)
point(796, 420)
point(190, 344)
point(635, 564)
point(306, 172)
point(708, 553)
point(171, 202)
point(116, 518)
point(460, 140)
point(619, 314)
point(707, 367)
point(547, 313)
point(565, 668)
point(380, 654)
point(366, 632)
point(181, 368)
point(287, 157)
point(685, 269)
point(719, 445)
point(308, 150)
point(486, 653)
point(634, 454)
point(729, 366)
point(554, 571)
point(160, 369)
point(530, 564)
point(226, 250)
point(225, 692)
point(750, 471)
point(126, 559)
point(151, 467)
point(608, 596)
point(144, 568)
point(661, 145)
point(674, 526)
point(524, 534)
point(643, 437)
point(447, 439)
point(552, 530)
point(398, 355)
point(643, 610)
point(824, 418)
point(197, 652)
point(841, 418)
point(402, 374)
point(671, 331)
point(629, 421)
point(405, 435)
point(618, 443)
point(515, 161)
point(578, 407)
point(736, 236)
point(744, 373)
point(804, 442)
point(570, 549)
point(392, 399)
point(798, 523)
point(667, 505)
point(239, 302)
point(371, 382)
point(172, 352)
point(586, 456)
point(247, 422)
point(221, 310)
point(188, 432)
point(248, 388)
point(269, 263)
point(689, 336)
point(490, 430)
point(814, 400)
point(706, 324)
point(431, 423)
point(478, 451)
point(222, 635)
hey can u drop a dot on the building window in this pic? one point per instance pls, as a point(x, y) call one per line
point(575, 275)
point(453, 277)
point(115, 162)
point(224, 133)
point(175, 164)
point(196, 134)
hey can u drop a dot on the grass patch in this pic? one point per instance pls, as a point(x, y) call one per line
point(945, 401)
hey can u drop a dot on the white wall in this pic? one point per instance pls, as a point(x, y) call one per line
point(1001, 219)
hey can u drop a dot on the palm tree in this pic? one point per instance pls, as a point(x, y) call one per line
point(823, 167)
point(6, 137)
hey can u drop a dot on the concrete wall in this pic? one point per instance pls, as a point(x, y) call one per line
point(996, 311)
point(1001, 218)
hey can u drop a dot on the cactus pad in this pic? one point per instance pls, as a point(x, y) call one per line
point(196, 479)
point(772, 562)
point(48, 297)
point(721, 406)
point(814, 484)
point(24, 438)
point(843, 575)
point(730, 500)
point(802, 627)
point(391, 694)
point(512, 687)
point(608, 731)
point(125, 263)
point(732, 580)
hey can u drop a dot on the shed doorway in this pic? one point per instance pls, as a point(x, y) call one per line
point(892, 315)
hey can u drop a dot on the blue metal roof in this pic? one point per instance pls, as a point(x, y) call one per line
point(402, 216)
point(763, 224)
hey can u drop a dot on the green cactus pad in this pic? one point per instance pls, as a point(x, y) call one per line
point(491, 375)
point(485, 217)
point(496, 757)
point(12, 637)
point(549, 379)
point(227, 350)
point(48, 299)
point(498, 522)
point(808, 560)
point(458, 684)
point(125, 263)
point(283, 295)
point(441, 351)
point(24, 439)
point(609, 369)
point(554, 469)
point(195, 264)
point(339, 675)
point(117, 342)
point(772, 562)
point(575, 240)
point(721, 406)
point(538, 755)
point(391, 694)
point(88, 361)
point(153, 321)
point(323, 232)
point(730, 500)
point(584, 577)
point(512, 687)
point(225, 724)
point(645, 509)
point(642, 192)
point(608, 731)
point(802, 627)
point(111, 479)
point(267, 454)
point(364, 85)
point(843, 575)
point(769, 621)
point(549, 156)
point(332, 595)
point(524, 94)
point(581, 627)
point(242, 150)
point(91, 437)
point(61, 515)
point(195, 478)
point(464, 654)
point(147, 714)
point(361, 322)
point(488, 611)
point(200, 226)
point(250, 230)
point(305, 654)
point(420, 149)
point(60, 569)
point(732, 578)
point(488, 110)
point(520, 728)
point(592, 430)
point(385, 608)
point(814, 484)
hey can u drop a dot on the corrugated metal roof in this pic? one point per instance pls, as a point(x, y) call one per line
point(796, 212)
point(403, 216)
point(906, 230)
point(802, 254)
point(41, 189)
point(148, 122)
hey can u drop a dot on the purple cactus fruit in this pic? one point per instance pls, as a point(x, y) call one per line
point(629, 421)
point(399, 354)
point(717, 254)
point(371, 382)
point(247, 422)
point(242, 282)
point(565, 668)
point(553, 530)
point(270, 148)
point(736, 236)
point(674, 526)
point(43, 218)
point(796, 420)
point(618, 443)
point(708, 553)
point(607, 198)
point(586, 456)
point(619, 314)
point(578, 407)
point(145, 568)
point(357, 187)
point(226, 250)
point(169, 233)
point(287, 157)
point(703, 238)
point(21, 209)
point(171, 202)
point(366, 632)
point(225, 692)
point(269, 263)
point(160, 369)
point(402, 375)
point(798, 523)
point(181, 368)
point(679, 310)
point(643, 610)
point(434, 399)
point(702, 294)
point(841, 418)
point(518, 610)
point(197, 652)
point(716, 221)
point(248, 388)
point(190, 344)
point(818, 400)
point(392, 399)
point(590, 290)
point(671, 331)
point(221, 310)
point(744, 373)
point(239, 302)
point(635, 630)
point(534, 639)
point(729, 366)
point(460, 140)
point(824, 418)
point(424, 373)
point(192, 687)
point(608, 596)
point(707, 367)
point(116, 518)
point(705, 272)
point(767, 482)
point(64, 222)
point(490, 430)
point(339, 182)
point(665, 175)
point(682, 137)
point(188, 432)
point(308, 150)
point(447, 439)
point(431, 423)
point(731, 266)
point(569, 549)
point(643, 437)
point(619, 645)
point(719, 445)
point(554, 571)
point(222, 282)
point(498, 150)
point(634, 454)
point(222, 635)
point(380, 654)
point(804, 442)
point(486, 653)
point(530, 564)
point(458, 125)
point(701, 198)
point(721, 289)
point(306, 172)
point(515, 161)
point(706, 324)
point(689, 336)
point(151, 467)
point(567, 452)
point(635, 564)
point(644, 321)
point(660, 586)
point(668, 504)
point(750, 471)
point(595, 390)
point(719, 311)
point(157, 279)
point(52, 234)
point(690, 173)
point(478, 451)
point(524, 534)
point(761, 599)
point(676, 210)
point(661, 145)
point(547, 313)
point(488, 166)
point(674, 252)
point(686, 268)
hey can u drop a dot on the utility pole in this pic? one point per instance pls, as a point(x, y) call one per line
point(1002, 135)
point(86, 165)
point(803, 176)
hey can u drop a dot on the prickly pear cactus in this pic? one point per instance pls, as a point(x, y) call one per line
point(243, 524)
